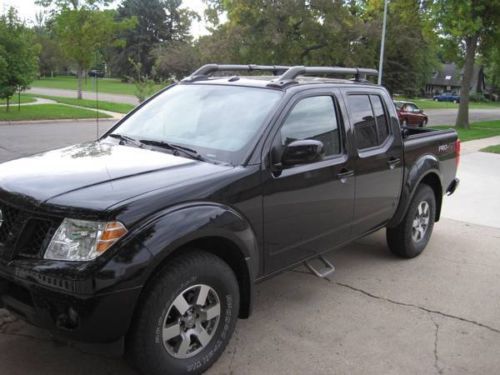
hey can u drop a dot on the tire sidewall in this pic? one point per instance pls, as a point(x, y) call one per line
point(222, 280)
point(426, 194)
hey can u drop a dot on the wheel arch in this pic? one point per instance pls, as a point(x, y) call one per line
point(424, 171)
point(217, 229)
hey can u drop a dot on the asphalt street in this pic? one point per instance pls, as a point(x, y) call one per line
point(116, 98)
point(378, 314)
point(449, 116)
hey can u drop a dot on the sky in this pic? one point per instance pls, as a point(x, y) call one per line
point(27, 11)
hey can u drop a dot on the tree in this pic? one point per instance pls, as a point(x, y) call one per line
point(157, 22)
point(176, 60)
point(471, 22)
point(411, 44)
point(18, 56)
point(144, 86)
point(82, 30)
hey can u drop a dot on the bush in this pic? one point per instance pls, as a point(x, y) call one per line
point(478, 98)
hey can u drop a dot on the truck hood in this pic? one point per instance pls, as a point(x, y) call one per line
point(112, 172)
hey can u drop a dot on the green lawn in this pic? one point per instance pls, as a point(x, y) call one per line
point(47, 112)
point(478, 130)
point(430, 104)
point(493, 149)
point(14, 100)
point(88, 103)
point(108, 85)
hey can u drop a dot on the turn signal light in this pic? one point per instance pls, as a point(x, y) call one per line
point(112, 232)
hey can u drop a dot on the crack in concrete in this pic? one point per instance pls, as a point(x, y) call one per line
point(437, 312)
point(436, 356)
point(446, 315)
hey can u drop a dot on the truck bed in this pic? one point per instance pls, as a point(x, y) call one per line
point(439, 143)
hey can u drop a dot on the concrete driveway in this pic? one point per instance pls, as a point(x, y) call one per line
point(378, 314)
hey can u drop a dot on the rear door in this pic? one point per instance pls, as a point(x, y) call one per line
point(378, 168)
point(308, 208)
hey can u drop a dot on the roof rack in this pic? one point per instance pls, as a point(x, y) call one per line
point(288, 74)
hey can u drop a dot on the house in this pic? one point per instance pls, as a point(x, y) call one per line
point(449, 79)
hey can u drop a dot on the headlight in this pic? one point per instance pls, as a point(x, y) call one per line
point(80, 240)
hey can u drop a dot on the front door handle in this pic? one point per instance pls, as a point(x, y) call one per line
point(393, 162)
point(344, 174)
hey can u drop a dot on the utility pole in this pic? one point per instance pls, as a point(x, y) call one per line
point(382, 45)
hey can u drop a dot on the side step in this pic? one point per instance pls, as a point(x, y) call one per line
point(326, 270)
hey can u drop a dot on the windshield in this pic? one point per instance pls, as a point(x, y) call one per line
point(219, 122)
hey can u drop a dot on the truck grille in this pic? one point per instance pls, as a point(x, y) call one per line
point(23, 235)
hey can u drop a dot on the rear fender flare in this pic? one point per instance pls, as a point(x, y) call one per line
point(425, 168)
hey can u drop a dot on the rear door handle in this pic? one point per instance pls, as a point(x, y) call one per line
point(344, 174)
point(393, 162)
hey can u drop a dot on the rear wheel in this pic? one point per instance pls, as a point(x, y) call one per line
point(411, 236)
point(187, 316)
point(404, 122)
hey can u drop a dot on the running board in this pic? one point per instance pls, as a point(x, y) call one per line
point(323, 272)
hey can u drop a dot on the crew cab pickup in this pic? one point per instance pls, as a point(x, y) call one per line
point(155, 234)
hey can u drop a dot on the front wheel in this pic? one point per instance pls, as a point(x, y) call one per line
point(187, 316)
point(411, 236)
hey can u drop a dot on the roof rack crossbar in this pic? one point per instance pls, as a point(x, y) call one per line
point(295, 71)
point(208, 69)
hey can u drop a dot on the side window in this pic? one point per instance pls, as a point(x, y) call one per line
point(313, 118)
point(371, 127)
point(365, 127)
point(381, 118)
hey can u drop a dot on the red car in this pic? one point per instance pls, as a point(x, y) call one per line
point(410, 114)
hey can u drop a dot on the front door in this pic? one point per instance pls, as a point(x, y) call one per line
point(308, 208)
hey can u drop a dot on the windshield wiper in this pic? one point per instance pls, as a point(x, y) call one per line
point(193, 154)
point(126, 138)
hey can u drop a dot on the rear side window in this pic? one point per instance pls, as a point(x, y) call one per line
point(365, 127)
point(313, 118)
point(371, 127)
point(380, 117)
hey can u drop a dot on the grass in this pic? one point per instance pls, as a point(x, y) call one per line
point(108, 85)
point(478, 130)
point(493, 149)
point(430, 104)
point(47, 112)
point(14, 100)
point(107, 106)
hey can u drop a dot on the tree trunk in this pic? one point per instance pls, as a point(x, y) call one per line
point(8, 104)
point(19, 101)
point(79, 74)
point(470, 56)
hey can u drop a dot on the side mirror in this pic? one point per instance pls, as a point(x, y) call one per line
point(302, 152)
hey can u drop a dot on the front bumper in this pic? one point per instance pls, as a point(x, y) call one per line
point(84, 317)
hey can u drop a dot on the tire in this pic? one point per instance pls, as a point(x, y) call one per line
point(455, 101)
point(405, 240)
point(436, 99)
point(155, 344)
point(404, 122)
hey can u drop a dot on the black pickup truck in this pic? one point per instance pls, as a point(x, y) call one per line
point(155, 234)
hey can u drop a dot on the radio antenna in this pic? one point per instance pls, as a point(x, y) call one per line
point(96, 99)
